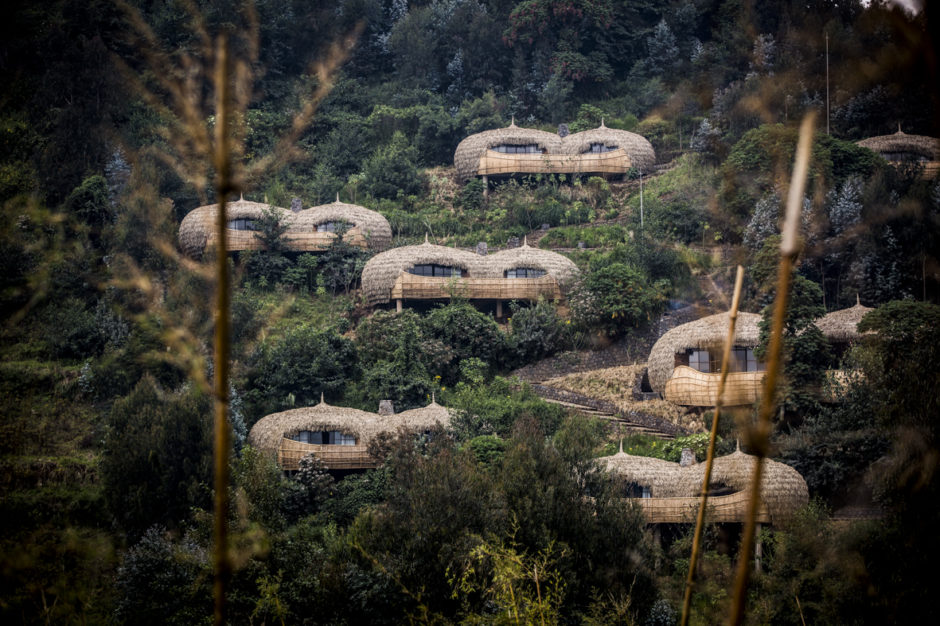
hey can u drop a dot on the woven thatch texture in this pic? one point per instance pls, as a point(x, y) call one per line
point(841, 326)
point(560, 267)
point(641, 153)
point(783, 490)
point(662, 477)
point(374, 227)
point(381, 271)
point(708, 332)
point(421, 419)
point(197, 230)
point(900, 142)
point(267, 433)
point(469, 151)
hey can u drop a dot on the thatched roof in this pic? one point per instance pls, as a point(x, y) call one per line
point(705, 333)
point(642, 155)
point(841, 326)
point(468, 152)
point(783, 490)
point(659, 475)
point(382, 270)
point(374, 227)
point(198, 227)
point(422, 419)
point(901, 142)
point(267, 433)
point(557, 265)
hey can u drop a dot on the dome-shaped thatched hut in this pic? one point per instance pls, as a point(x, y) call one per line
point(364, 228)
point(198, 229)
point(472, 149)
point(685, 363)
point(901, 147)
point(603, 139)
point(670, 493)
point(513, 150)
point(431, 272)
point(338, 436)
point(311, 230)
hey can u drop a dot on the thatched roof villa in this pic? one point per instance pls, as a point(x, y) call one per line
point(432, 272)
point(670, 493)
point(310, 230)
point(511, 151)
point(903, 148)
point(338, 436)
point(685, 363)
point(841, 327)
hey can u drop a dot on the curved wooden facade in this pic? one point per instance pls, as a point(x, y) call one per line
point(689, 387)
point(410, 287)
point(612, 163)
point(731, 508)
point(290, 452)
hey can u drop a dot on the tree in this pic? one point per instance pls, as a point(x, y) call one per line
point(392, 169)
point(296, 368)
point(615, 299)
point(468, 333)
point(157, 457)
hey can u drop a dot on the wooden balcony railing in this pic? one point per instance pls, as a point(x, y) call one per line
point(729, 508)
point(412, 287)
point(690, 387)
point(333, 457)
point(494, 163)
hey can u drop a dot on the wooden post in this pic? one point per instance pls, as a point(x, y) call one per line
point(486, 186)
point(398, 305)
point(499, 309)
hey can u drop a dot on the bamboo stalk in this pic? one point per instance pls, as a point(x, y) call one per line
point(222, 564)
point(710, 455)
point(760, 432)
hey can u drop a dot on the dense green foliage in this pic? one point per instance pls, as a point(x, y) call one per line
point(106, 330)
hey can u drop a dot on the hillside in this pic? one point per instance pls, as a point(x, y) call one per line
point(508, 511)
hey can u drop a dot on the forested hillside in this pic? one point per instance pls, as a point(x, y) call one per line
point(108, 119)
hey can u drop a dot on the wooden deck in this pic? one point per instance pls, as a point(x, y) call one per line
point(615, 162)
point(721, 509)
point(412, 287)
point(690, 387)
point(333, 457)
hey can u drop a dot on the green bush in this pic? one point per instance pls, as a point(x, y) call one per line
point(536, 331)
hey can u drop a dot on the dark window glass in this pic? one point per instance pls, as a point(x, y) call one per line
point(600, 147)
point(241, 224)
point(435, 270)
point(524, 272)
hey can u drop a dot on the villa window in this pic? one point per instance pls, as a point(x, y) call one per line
point(699, 360)
point(524, 272)
point(601, 147)
point(531, 148)
point(332, 227)
point(241, 224)
point(325, 437)
point(636, 490)
point(745, 361)
point(444, 271)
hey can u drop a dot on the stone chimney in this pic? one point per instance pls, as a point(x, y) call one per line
point(386, 408)
point(296, 205)
point(481, 248)
point(688, 458)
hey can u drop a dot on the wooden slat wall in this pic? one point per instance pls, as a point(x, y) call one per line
point(333, 457)
point(730, 508)
point(494, 163)
point(412, 287)
point(690, 387)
